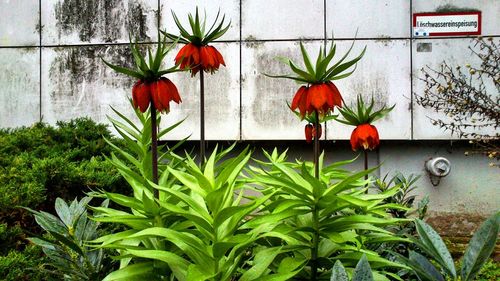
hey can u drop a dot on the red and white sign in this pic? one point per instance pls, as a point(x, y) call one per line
point(447, 24)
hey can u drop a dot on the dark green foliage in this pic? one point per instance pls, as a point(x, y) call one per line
point(23, 266)
point(9, 237)
point(40, 163)
point(43, 162)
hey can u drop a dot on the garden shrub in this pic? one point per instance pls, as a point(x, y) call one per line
point(39, 164)
point(20, 266)
point(42, 162)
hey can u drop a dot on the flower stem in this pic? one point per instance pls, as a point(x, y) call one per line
point(366, 165)
point(315, 240)
point(202, 119)
point(316, 145)
point(154, 144)
point(315, 246)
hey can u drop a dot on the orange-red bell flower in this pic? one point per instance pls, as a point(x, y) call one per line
point(161, 92)
point(141, 95)
point(321, 97)
point(198, 58)
point(364, 136)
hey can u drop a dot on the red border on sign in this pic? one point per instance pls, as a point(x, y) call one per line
point(478, 13)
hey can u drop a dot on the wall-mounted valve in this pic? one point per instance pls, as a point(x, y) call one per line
point(437, 168)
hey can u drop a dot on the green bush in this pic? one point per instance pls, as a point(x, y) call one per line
point(25, 265)
point(39, 164)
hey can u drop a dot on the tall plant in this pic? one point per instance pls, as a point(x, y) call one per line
point(323, 219)
point(197, 55)
point(318, 96)
point(365, 136)
point(152, 90)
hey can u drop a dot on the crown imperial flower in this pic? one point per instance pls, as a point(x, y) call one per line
point(197, 55)
point(319, 94)
point(364, 136)
point(151, 86)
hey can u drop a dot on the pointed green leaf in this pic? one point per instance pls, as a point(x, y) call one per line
point(480, 247)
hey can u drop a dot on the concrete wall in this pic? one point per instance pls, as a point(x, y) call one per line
point(50, 70)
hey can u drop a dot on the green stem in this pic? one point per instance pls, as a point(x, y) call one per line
point(316, 146)
point(202, 119)
point(154, 145)
point(366, 166)
point(315, 246)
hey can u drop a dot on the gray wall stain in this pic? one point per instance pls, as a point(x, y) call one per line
point(272, 94)
point(103, 19)
point(73, 66)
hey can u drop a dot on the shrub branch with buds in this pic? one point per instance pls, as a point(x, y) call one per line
point(469, 96)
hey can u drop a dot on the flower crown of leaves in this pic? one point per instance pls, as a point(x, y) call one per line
point(320, 72)
point(363, 114)
point(199, 36)
point(149, 69)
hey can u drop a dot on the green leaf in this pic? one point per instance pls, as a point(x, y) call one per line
point(306, 59)
point(195, 273)
point(480, 247)
point(137, 271)
point(261, 262)
point(191, 245)
point(177, 264)
point(188, 180)
point(63, 212)
point(124, 70)
point(415, 267)
point(435, 246)
point(125, 201)
point(362, 272)
point(338, 272)
point(425, 268)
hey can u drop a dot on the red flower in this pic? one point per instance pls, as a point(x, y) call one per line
point(141, 95)
point(161, 91)
point(198, 58)
point(310, 132)
point(364, 136)
point(321, 97)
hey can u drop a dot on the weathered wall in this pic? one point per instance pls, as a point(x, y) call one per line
point(50, 70)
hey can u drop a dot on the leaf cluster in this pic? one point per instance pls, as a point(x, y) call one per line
point(64, 245)
point(148, 67)
point(199, 35)
point(362, 113)
point(436, 262)
point(321, 71)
